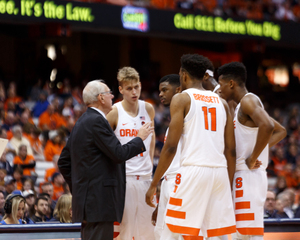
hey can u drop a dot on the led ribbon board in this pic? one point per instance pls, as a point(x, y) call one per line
point(229, 26)
point(135, 18)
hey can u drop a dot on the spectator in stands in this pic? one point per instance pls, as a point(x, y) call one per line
point(280, 185)
point(279, 209)
point(17, 175)
point(67, 111)
point(26, 162)
point(28, 184)
point(63, 209)
point(286, 204)
point(36, 144)
point(292, 153)
point(41, 105)
point(269, 207)
point(47, 188)
point(25, 118)
point(289, 176)
point(51, 120)
point(14, 210)
point(10, 120)
point(18, 140)
point(12, 95)
point(57, 181)
point(278, 161)
point(30, 200)
point(50, 171)
point(49, 214)
point(53, 145)
point(2, 201)
point(290, 192)
point(41, 207)
point(10, 185)
point(26, 217)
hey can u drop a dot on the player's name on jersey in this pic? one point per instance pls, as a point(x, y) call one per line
point(128, 132)
point(208, 99)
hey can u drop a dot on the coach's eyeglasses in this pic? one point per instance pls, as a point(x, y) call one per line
point(110, 92)
point(107, 92)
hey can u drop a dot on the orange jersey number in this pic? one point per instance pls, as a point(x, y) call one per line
point(238, 182)
point(213, 114)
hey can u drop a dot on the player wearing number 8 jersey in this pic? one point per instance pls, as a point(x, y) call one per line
point(254, 130)
point(201, 199)
point(126, 118)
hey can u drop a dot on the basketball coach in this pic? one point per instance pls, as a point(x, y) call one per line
point(93, 164)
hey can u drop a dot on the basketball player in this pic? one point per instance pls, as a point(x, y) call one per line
point(125, 119)
point(169, 85)
point(254, 130)
point(201, 197)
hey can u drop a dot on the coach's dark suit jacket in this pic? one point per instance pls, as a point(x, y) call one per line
point(93, 164)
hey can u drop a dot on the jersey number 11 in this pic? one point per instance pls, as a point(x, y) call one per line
point(213, 114)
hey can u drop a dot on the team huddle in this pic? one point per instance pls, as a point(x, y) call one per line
point(213, 162)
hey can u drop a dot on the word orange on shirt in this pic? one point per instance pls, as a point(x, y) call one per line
point(128, 132)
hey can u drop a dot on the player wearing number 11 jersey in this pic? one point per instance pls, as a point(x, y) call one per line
point(201, 199)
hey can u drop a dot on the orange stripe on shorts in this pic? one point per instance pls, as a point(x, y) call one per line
point(242, 205)
point(175, 214)
point(239, 193)
point(183, 230)
point(221, 231)
point(244, 217)
point(251, 231)
point(175, 201)
point(185, 237)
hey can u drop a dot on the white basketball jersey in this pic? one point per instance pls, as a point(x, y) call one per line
point(245, 140)
point(203, 130)
point(126, 130)
point(175, 164)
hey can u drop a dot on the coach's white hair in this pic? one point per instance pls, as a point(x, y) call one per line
point(92, 90)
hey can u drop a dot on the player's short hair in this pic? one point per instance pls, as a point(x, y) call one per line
point(196, 65)
point(235, 71)
point(127, 74)
point(172, 79)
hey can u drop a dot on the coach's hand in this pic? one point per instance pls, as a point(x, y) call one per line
point(145, 130)
point(150, 196)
